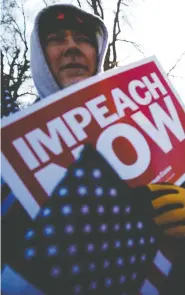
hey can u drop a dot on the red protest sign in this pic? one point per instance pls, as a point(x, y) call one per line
point(131, 115)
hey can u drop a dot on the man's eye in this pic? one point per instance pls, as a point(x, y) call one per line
point(51, 39)
point(83, 39)
point(54, 39)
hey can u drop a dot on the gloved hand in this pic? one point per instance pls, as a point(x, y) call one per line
point(168, 201)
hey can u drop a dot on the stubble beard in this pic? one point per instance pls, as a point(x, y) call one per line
point(78, 78)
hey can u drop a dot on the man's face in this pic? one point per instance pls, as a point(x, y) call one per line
point(71, 56)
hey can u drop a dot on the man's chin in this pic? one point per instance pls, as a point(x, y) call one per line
point(72, 81)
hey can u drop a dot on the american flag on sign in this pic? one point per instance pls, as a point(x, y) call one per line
point(94, 236)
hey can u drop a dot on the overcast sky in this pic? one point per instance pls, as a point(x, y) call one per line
point(157, 25)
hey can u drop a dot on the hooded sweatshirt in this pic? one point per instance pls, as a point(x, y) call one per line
point(43, 79)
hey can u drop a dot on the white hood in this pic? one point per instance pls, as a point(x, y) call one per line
point(42, 76)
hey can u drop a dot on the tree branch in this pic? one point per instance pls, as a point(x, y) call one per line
point(79, 4)
point(116, 32)
point(45, 3)
point(96, 5)
point(133, 43)
point(28, 93)
point(101, 9)
point(174, 66)
point(2, 64)
point(174, 76)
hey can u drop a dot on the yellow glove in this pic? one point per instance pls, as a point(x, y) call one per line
point(168, 200)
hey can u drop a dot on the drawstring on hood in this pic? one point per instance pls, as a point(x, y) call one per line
point(42, 76)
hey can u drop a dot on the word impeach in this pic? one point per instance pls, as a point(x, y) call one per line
point(71, 130)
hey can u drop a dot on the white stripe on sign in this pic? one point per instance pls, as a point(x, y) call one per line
point(180, 180)
point(148, 289)
point(162, 263)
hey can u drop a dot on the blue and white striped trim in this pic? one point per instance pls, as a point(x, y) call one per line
point(12, 283)
point(148, 289)
point(7, 203)
point(162, 263)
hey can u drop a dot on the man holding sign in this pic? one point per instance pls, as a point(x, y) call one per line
point(68, 45)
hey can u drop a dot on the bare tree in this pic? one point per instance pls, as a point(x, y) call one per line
point(111, 58)
point(15, 62)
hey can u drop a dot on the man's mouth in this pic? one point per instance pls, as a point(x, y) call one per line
point(74, 66)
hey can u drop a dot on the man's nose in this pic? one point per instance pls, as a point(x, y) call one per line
point(71, 47)
point(70, 43)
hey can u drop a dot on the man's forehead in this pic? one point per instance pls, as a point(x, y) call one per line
point(62, 19)
point(69, 32)
point(56, 19)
